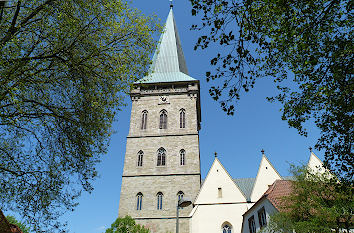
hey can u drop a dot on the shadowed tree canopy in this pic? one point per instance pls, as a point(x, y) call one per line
point(305, 47)
point(65, 69)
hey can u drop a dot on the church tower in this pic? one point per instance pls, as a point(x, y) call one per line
point(162, 160)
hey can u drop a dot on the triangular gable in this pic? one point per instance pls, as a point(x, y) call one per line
point(217, 178)
point(266, 176)
point(315, 164)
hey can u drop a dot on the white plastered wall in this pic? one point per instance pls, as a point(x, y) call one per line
point(266, 176)
point(211, 210)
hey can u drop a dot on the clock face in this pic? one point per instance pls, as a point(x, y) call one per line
point(163, 98)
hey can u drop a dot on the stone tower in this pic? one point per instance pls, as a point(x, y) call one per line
point(162, 161)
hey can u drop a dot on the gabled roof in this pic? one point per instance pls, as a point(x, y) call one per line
point(246, 186)
point(276, 192)
point(315, 163)
point(168, 63)
point(266, 175)
point(219, 177)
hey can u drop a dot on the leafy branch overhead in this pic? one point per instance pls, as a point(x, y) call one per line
point(304, 47)
point(65, 68)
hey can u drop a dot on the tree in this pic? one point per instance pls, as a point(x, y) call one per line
point(305, 47)
point(125, 225)
point(318, 203)
point(65, 69)
point(21, 225)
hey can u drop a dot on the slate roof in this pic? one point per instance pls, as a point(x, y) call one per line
point(168, 63)
point(246, 186)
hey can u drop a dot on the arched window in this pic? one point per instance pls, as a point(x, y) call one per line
point(139, 201)
point(144, 119)
point(163, 119)
point(159, 200)
point(182, 118)
point(140, 158)
point(180, 195)
point(161, 157)
point(227, 228)
point(182, 157)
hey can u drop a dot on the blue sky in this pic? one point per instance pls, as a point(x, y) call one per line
point(237, 139)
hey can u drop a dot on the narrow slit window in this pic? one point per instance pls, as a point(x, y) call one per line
point(182, 118)
point(182, 157)
point(140, 158)
point(219, 192)
point(144, 119)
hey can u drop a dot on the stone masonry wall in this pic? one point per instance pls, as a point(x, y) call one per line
point(150, 179)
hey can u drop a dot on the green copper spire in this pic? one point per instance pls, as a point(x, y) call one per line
point(169, 64)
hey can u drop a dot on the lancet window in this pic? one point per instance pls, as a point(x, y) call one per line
point(161, 157)
point(182, 118)
point(159, 200)
point(163, 119)
point(140, 158)
point(144, 119)
point(182, 157)
point(139, 201)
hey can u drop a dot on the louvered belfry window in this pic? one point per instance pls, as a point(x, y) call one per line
point(163, 119)
point(182, 118)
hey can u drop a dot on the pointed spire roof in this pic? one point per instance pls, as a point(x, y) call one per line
point(168, 64)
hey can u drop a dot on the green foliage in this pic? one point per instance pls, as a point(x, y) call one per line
point(126, 225)
point(65, 69)
point(305, 47)
point(21, 225)
point(318, 203)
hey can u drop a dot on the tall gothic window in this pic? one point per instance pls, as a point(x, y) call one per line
point(163, 119)
point(161, 157)
point(139, 201)
point(226, 229)
point(182, 118)
point(182, 157)
point(180, 195)
point(144, 119)
point(159, 200)
point(140, 158)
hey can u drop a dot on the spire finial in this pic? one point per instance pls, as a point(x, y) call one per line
point(262, 151)
point(171, 4)
point(216, 154)
point(310, 148)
